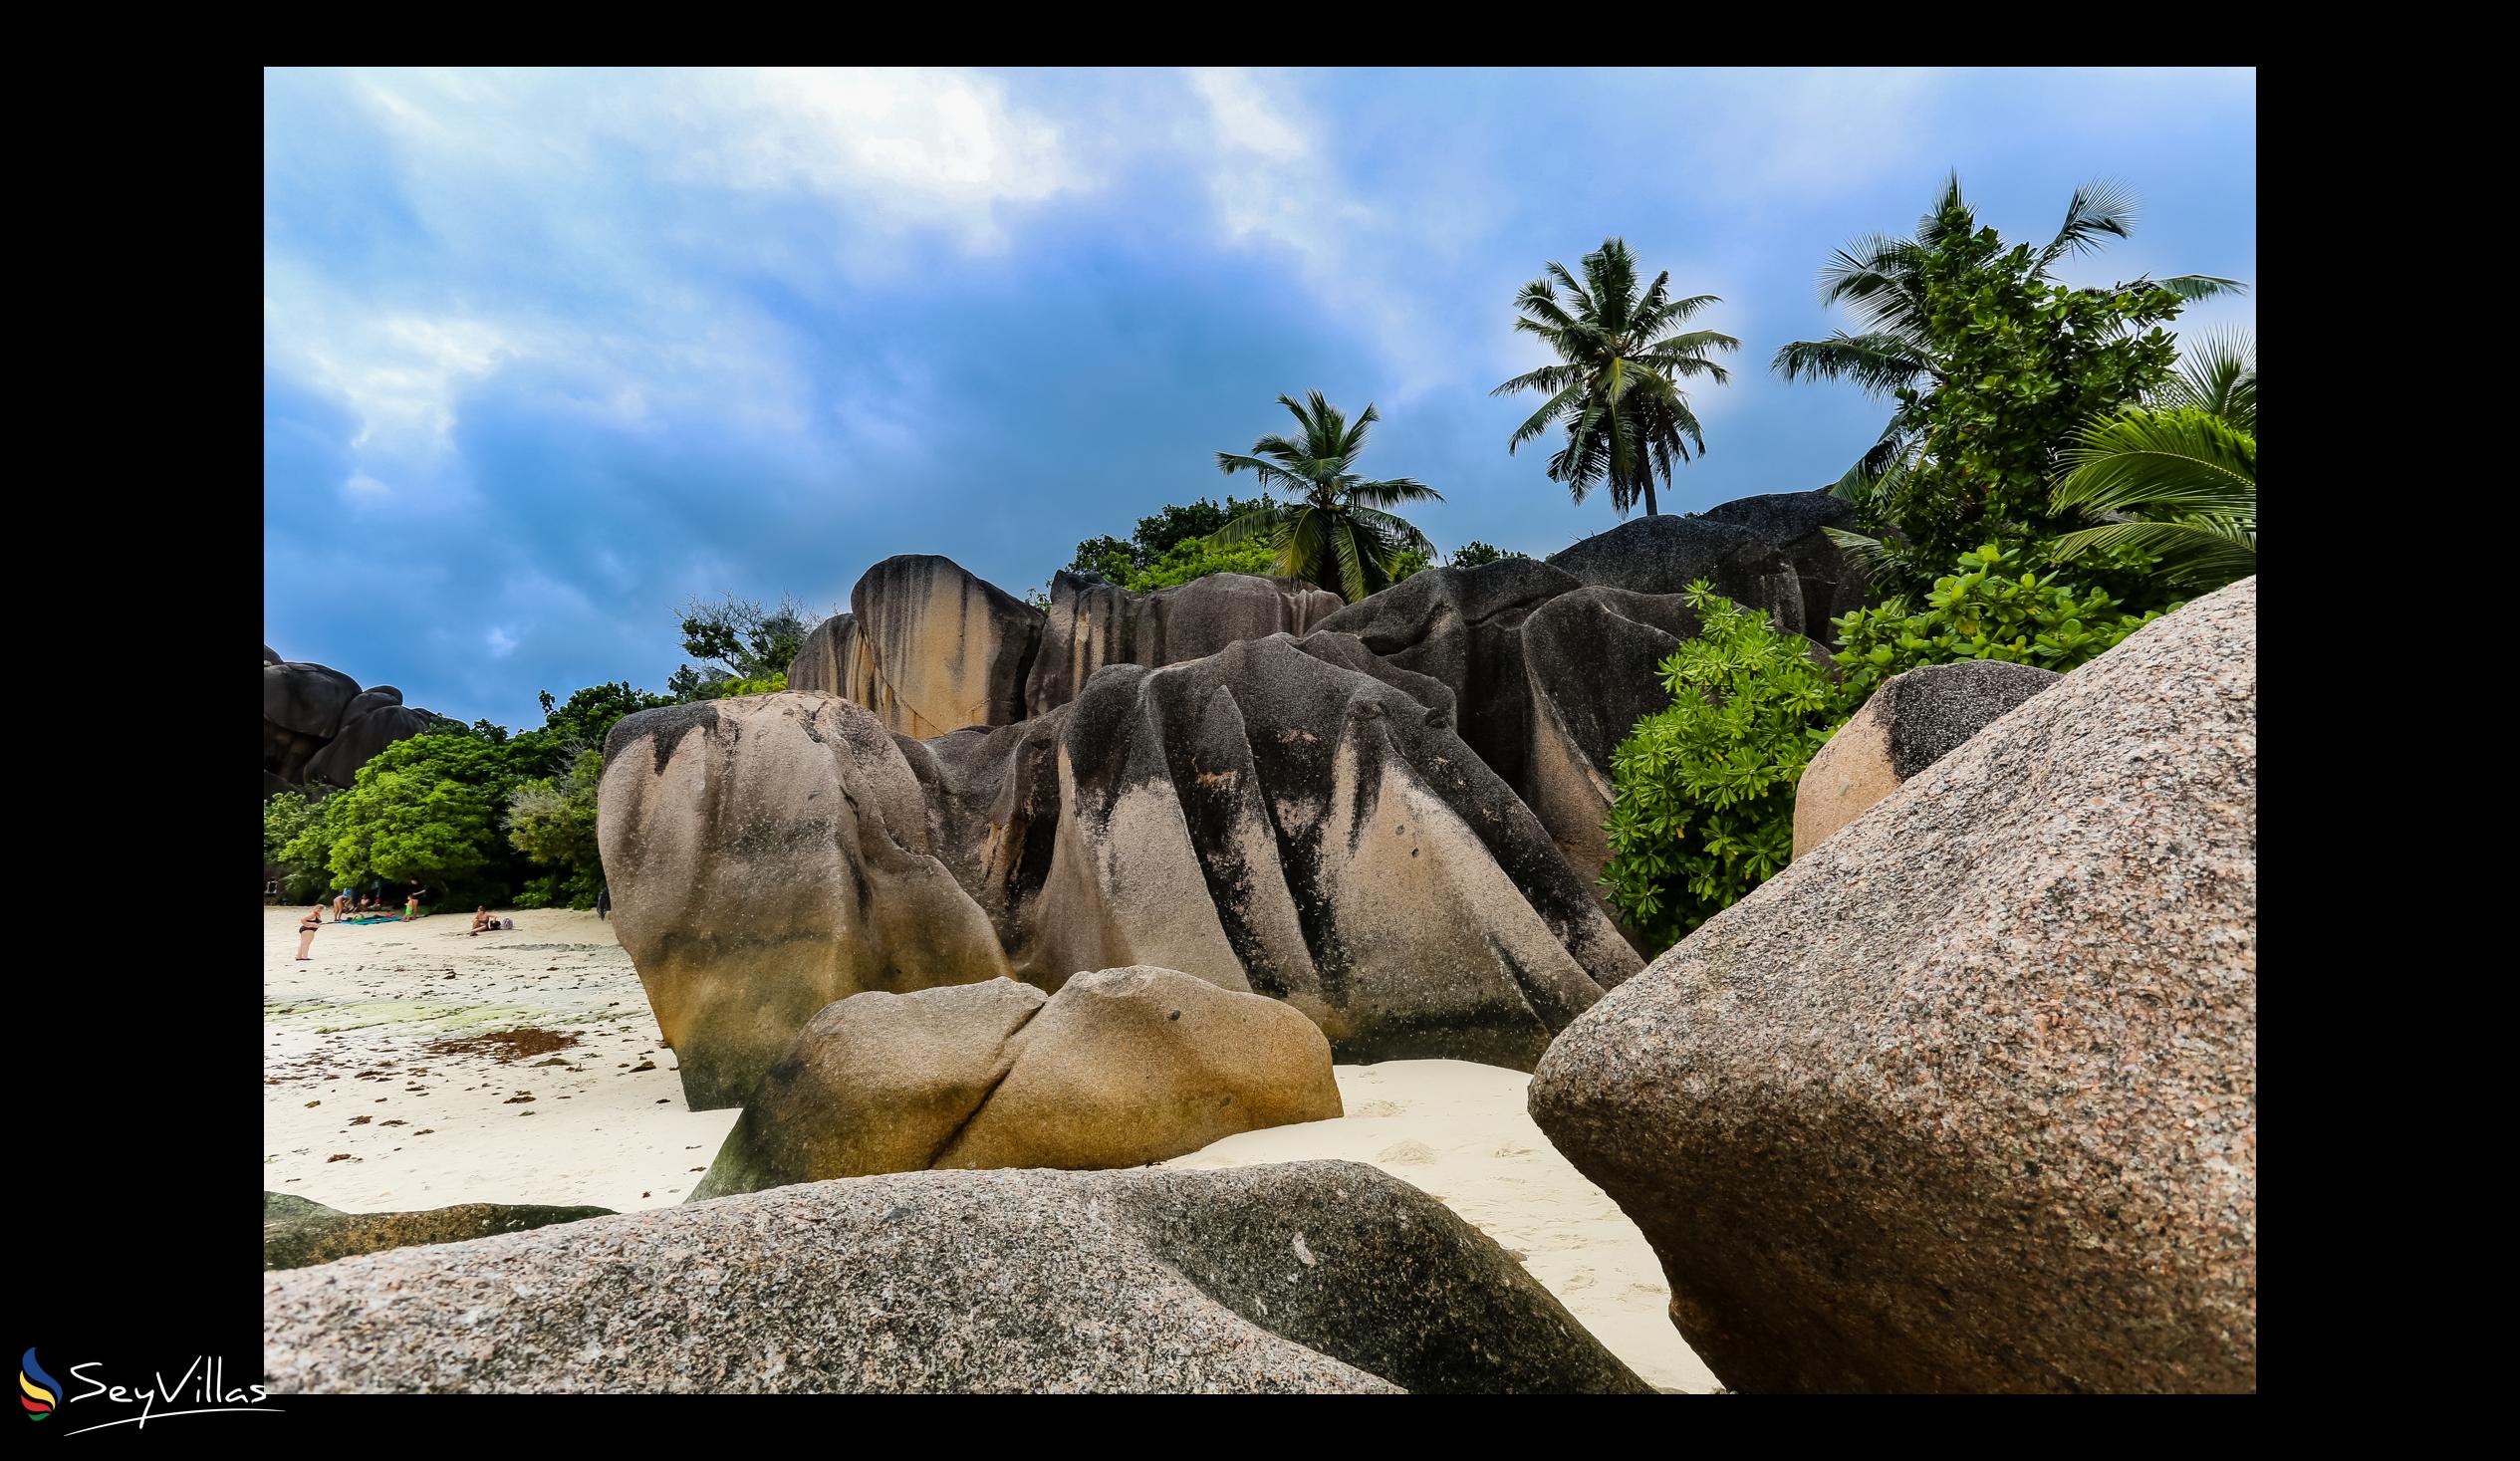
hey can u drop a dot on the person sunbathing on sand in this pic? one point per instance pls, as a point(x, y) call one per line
point(482, 922)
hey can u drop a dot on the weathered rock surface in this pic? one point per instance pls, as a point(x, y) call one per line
point(1302, 1277)
point(1766, 551)
point(1966, 1099)
point(1913, 720)
point(829, 661)
point(319, 727)
point(1268, 819)
point(360, 738)
point(298, 1232)
point(1093, 624)
point(1121, 1068)
point(1272, 822)
point(1790, 523)
point(769, 855)
point(307, 699)
point(941, 650)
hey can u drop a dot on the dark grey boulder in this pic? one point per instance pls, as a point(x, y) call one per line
point(271, 655)
point(1767, 552)
point(1461, 626)
point(306, 699)
point(361, 739)
point(1965, 1099)
point(1293, 1277)
point(298, 1232)
point(1793, 524)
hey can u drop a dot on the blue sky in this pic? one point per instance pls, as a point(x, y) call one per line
point(548, 353)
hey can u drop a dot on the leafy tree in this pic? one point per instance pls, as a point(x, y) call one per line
point(287, 818)
point(551, 820)
point(1703, 804)
point(1334, 531)
point(425, 808)
point(1175, 533)
point(1474, 553)
point(588, 715)
point(1994, 367)
point(1616, 390)
point(737, 640)
point(1196, 558)
point(769, 684)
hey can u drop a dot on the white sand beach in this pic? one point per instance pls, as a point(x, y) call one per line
point(349, 1035)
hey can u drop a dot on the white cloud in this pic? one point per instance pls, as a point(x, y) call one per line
point(502, 644)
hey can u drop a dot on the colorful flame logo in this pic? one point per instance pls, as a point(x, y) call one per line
point(42, 1390)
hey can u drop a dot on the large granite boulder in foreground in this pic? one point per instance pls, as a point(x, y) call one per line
point(1302, 1277)
point(298, 1232)
point(1120, 1067)
point(1094, 624)
point(1913, 721)
point(768, 855)
point(1965, 1099)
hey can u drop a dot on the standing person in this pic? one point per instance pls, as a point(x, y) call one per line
point(603, 901)
point(307, 926)
point(411, 906)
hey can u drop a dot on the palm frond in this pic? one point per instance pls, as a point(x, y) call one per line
point(2160, 464)
point(2099, 209)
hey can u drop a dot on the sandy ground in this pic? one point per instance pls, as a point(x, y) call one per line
point(361, 1115)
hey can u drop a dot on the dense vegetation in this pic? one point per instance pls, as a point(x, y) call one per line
point(1705, 804)
point(2053, 478)
point(476, 817)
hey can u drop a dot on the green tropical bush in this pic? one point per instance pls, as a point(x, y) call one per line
point(287, 818)
point(1474, 553)
point(1702, 810)
point(551, 820)
point(1993, 607)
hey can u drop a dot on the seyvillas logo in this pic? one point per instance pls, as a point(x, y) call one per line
point(201, 1389)
point(41, 1393)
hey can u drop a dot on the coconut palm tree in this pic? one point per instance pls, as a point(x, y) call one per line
point(1881, 278)
point(1616, 386)
point(1333, 530)
point(2178, 478)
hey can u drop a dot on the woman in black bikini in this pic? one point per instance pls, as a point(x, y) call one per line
point(307, 926)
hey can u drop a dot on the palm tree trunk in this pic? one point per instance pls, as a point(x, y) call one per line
point(1650, 509)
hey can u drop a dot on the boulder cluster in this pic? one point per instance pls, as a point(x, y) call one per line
point(992, 907)
point(319, 727)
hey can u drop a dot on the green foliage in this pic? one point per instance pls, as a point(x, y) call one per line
point(287, 818)
point(1703, 804)
point(425, 808)
point(1333, 530)
point(1993, 608)
point(738, 639)
point(1614, 389)
point(1994, 367)
point(1196, 558)
point(1474, 553)
point(551, 820)
point(2175, 486)
point(769, 684)
point(443, 807)
point(1176, 528)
